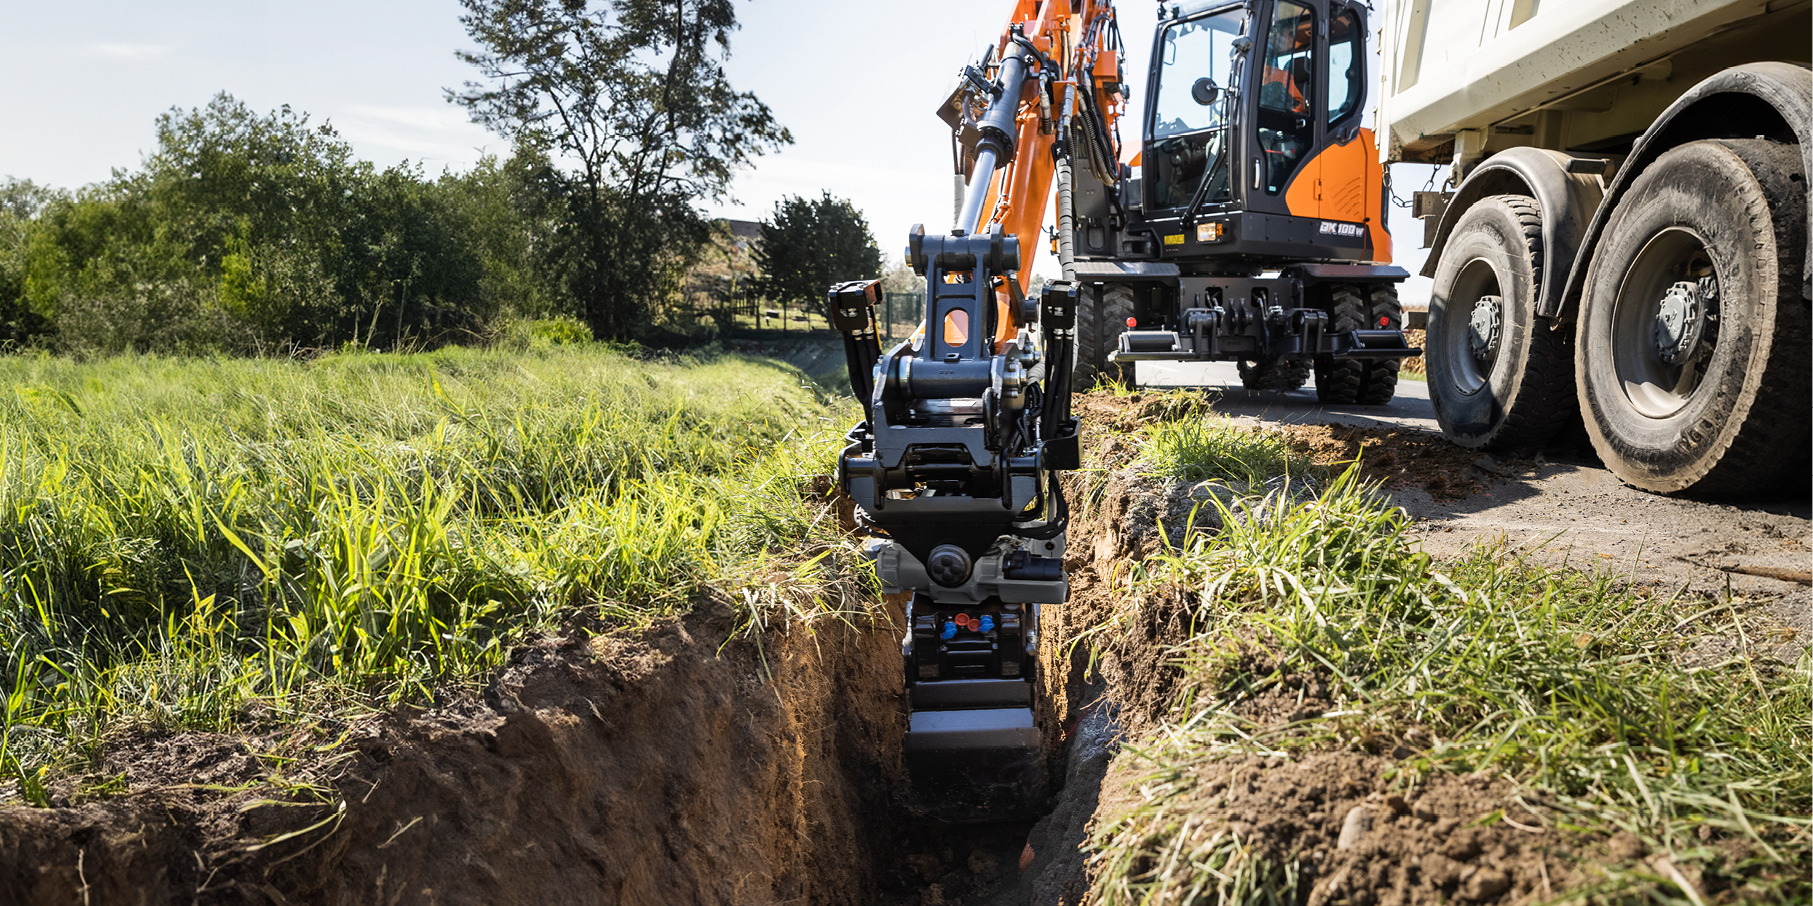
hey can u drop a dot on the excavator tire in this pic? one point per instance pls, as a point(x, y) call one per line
point(1723, 409)
point(1098, 332)
point(1274, 374)
point(1368, 382)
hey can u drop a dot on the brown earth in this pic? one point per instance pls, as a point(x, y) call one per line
point(1445, 839)
point(1396, 458)
point(1414, 365)
point(1424, 841)
point(639, 771)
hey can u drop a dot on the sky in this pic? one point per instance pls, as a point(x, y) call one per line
point(856, 81)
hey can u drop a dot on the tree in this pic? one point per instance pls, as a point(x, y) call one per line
point(21, 201)
point(253, 231)
point(900, 278)
point(809, 244)
point(638, 122)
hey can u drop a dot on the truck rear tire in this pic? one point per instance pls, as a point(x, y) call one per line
point(1098, 332)
point(1499, 377)
point(1370, 382)
point(1274, 374)
point(1694, 372)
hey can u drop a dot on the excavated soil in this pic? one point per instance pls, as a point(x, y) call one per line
point(1415, 365)
point(1412, 843)
point(640, 771)
point(1396, 458)
point(1428, 845)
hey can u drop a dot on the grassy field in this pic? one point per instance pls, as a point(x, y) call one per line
point(180, 539)
point(1561, 687)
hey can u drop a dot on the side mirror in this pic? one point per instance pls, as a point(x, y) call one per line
point(1205, 91)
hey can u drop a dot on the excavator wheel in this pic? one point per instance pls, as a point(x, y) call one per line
point(1274, 374)
point(1368, 382)
point(1098, 332)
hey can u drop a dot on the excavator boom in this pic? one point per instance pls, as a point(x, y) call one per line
point(954, 467)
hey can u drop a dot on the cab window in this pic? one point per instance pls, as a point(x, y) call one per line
point(1189, 137)
point(1287, 93)
point(1346, 66)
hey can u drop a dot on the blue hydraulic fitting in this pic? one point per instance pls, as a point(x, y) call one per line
point(950, 629)
point(988, 623)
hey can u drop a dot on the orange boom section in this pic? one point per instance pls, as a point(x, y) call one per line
point(1080, 53)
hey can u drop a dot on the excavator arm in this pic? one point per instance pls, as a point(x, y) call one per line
point(954, 467)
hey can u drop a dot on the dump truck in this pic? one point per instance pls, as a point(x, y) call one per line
point(1622, 238)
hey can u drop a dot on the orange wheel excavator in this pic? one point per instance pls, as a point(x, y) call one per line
point(1253, 231)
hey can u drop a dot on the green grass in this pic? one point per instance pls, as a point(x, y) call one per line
point(1210, 447)
point(1566, 684)
point(183, 539)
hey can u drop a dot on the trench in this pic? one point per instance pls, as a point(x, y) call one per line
point(670, 768)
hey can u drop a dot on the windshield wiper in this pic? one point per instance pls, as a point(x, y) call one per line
point(1208, 176)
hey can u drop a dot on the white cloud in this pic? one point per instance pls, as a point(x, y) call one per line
point(129, 51)
point(438, 135)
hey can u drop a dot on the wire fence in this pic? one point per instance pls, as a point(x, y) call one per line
point(900, 314)
point(897, 317)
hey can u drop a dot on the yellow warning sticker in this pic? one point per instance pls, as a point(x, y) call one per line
point(1174, 239)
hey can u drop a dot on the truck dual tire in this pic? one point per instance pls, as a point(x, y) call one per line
point(1693, 331)
point(1368, 382)
point(1098, 333)
point(1500, 378)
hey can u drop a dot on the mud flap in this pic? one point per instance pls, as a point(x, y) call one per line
point(976, 765)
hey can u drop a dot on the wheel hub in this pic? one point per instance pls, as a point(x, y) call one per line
point(1680, 322)
point(1483, 328)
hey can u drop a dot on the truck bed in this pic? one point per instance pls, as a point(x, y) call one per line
point(1585, 76)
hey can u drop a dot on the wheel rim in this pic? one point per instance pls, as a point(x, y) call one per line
point(1665, 323)
point(1474, 304)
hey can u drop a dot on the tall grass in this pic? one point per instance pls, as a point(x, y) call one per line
point(1210, 447)
point(1564, 683)
point(179, 538)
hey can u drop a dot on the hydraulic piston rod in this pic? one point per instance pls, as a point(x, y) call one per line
point(996, 145)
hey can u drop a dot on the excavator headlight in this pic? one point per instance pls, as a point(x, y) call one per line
point(1209, 232)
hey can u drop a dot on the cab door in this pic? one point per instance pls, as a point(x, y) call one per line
point(1332, 184)
point(1187, 149)
point(1313, 159)
point(1285, 94)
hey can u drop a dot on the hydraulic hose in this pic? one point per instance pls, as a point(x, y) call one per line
point(1066, 213)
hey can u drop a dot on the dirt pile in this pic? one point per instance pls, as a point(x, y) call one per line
point(1398, 458)
point(1358, 840)
point(1362, 824)
point(1418, 340)
point(656, 770)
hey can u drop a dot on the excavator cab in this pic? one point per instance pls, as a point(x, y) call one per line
point(1252, 144)
point(1251, 225)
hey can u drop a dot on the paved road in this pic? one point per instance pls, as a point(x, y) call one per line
point(1410, 408)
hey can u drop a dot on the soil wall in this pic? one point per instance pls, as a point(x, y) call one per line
point(655, 771)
